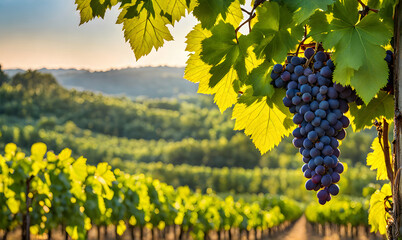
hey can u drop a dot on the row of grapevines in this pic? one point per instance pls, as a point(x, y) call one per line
point(341, 215)
point(44, 191)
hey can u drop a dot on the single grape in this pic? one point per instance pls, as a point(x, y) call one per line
point(320, 56)
point(312, 136)
point(310, 185)
point(319, 131)
point(290, 68)
point(299, 70)
point(314, 91)
point(279, 83)
point(332, 93)
point(307, 173)
point(287, 102)
point(316, 122)
point(297, 142)
point(330, 64)
point(309, 116)
point(333, 189)
point(305, 89)
point(326, 72)
point(296, 100)
point(326, 180)
point(345, 121)
point(314, 152)
point(285, 76)
point(316, 178)
point(278, 68)
point(298, 118)
point(325, 125)
point(314, 105)
point(327, 150)
point(333, 103)
point(307, 72)
point(312, 78)
point(318, 160)
point(339, 168)
point(295, 61)
point(292, 85)
point(307, 143)
point(322, 194)
point(317, 65)
point(335, 177)
point(341, 134)
point(309, 52)
point(319, 145)
point(274, 75)
point(306, 97)
point(320, 113)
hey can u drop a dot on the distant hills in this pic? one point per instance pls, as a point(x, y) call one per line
point(150, 82)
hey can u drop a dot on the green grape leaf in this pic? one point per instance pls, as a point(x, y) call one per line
point(198, 71)
point(307, 8)
point(376, 160)
point(208, 11)
point(319, 26)
point(260, 79)
point(275, 34)
point(377, 213)
point(264, 119)
point(223, 52)
point(144, 28)
point(359, 55)
point(382, 106)
point(89, 9)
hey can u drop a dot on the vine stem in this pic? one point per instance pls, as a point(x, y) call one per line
point(386, 149)
point(364, 6)
point(398, 123)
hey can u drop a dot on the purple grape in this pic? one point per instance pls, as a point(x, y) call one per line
point(290, 68)
point(312, 78)
point(297, 142)
point(333, 189)
point(298, 118)
point(309, 52)
point(320, 56)
point(314, 152)
point(296, 100)
point(341, 134)
point(335, 177)
point(295, 61)
point(339, 168)
point(299, 70)
point(314, 105)
point(320, 169)
point(316, 122)
point(324, 105)
point(306, 97)
point(326, 72)
point(310, 185)
point(327, 150)
point(307, 72)
point(309, 116)
point(326, 180)
point(345, 121)
point(292, 85)
point(316, 178)
point(332, 93)
point(322, 194)
point(318, 160)
point(317, 65)
point(285, 76)
point(278, 68)
point(307, 173)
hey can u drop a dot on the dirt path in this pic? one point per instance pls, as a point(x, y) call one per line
point(300, 231)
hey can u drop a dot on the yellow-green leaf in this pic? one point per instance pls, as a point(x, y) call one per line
point(376, 160)
point(10, 148)
point(144, 28)
point(377, 213)
point(263, 120)
point(38, 149)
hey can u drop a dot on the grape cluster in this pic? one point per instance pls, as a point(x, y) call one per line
point(318, 105)
point(390, 61)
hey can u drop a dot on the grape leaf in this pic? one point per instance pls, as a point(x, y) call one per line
point(377, 213)
point(382, 106)
point(307, 8)
point(376, 160)
point(223, 52)
point(207, 11)
point(175, 9)
point(89, 9)
point(144, 27)
point(264, 119)
point(275, 34)
point(359, 56)
point(198, 71)
point(260, 79)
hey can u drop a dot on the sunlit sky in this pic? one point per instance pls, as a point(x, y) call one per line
point(46, 33)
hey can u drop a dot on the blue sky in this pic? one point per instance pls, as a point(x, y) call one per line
point(45, 33)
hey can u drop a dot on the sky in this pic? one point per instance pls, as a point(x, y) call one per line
point(46, 33)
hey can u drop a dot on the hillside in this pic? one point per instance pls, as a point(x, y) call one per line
point(150, 82)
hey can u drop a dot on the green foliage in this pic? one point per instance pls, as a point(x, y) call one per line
point(358, 48)
point(91, 195)
point(342, 212)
